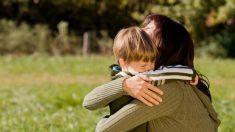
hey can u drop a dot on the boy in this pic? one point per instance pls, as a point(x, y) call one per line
point(136, 54)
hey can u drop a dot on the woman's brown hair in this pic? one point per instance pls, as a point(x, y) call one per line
point(174, 46)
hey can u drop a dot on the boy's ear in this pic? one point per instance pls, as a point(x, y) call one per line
point(122, 62)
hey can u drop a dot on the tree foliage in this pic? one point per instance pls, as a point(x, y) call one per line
point(210, 22)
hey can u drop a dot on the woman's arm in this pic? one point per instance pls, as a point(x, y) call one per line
point(104, 94)
point(136, 113)
point(136, 86)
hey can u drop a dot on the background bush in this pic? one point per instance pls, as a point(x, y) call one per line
point(32, 39)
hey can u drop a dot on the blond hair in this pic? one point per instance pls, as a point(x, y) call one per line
point(133, 44)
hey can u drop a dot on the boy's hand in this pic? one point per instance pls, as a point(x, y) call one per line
point(195, 81)
point(139, 88)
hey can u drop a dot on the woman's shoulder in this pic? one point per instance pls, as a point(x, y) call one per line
point(173, 88)
point(175, 84)
point(176, 88)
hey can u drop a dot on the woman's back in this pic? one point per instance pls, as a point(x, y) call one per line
point(191, 114)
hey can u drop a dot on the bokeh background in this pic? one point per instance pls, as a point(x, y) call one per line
point(53, 52)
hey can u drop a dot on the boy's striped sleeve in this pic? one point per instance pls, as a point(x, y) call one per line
point(171, 73)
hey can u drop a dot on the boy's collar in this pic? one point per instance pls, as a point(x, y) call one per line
point(124, 74)
point(115, 68)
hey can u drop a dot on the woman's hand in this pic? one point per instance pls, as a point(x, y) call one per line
point(139, 88)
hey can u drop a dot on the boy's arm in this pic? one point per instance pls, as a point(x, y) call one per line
point(104, 94)
point(178, 72)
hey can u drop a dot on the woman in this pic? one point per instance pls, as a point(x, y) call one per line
point(184, 107)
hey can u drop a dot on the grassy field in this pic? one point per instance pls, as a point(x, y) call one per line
point(45, 93)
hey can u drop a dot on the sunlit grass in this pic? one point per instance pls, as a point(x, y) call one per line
point(74, 65)
point(46, 93)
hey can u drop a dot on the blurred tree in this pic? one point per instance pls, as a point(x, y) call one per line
point(210, 22)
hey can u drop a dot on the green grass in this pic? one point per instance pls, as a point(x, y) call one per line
point(221, 74)
point(45, 93)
